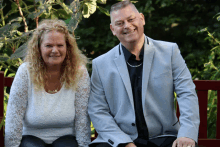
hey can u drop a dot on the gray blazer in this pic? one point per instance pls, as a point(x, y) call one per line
point(111, 106)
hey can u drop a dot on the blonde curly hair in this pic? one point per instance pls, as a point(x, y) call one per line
point(71, 69)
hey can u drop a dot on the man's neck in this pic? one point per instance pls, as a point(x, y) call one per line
point(135, 47)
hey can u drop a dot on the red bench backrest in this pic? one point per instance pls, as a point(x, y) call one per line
point(202, 87)
point(4, 81)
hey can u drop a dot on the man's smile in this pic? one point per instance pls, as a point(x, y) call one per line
point(129, 32)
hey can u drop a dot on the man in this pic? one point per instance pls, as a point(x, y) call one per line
point(132, 96)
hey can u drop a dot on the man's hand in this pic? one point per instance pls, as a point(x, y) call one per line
point(131, 145)
point(183, 142)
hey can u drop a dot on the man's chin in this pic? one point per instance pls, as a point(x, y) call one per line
point(131, 41)
point(128, 40)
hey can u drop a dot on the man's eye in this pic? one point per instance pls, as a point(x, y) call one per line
point(60, 45)
point(132, 19)
point(118, 24)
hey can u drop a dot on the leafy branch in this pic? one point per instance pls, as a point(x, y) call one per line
point(23, 18)
point(73, 13)
point(215, 52)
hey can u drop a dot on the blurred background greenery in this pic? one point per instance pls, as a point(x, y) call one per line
point(193, 24)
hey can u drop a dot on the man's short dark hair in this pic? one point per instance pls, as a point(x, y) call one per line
point(120, 5)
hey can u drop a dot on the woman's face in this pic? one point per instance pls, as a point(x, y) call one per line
point(53, 48)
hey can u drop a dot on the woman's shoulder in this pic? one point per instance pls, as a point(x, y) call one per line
point(23, 66)
point(82, 67)
point(23, 69)
point(83, 70)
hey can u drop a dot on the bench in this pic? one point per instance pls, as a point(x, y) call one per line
point(4, 81)
point(202, 87)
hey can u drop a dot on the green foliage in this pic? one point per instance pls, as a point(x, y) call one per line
point(89, 8)
point(13, 39)
point(212, 67)
point(92, 130)
point(211, 113)
point(212, 71)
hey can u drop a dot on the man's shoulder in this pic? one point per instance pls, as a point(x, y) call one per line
point(161, 42)
point(107, 56)
point(163, 46)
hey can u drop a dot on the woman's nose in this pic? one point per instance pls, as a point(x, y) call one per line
point(54, 49)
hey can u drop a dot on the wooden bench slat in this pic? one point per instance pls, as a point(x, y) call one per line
point(208, 142)
point(93, 138)
point(177, 110)
point(8, 81)
point(203, 101)
point(207, 84)
point(1, 93)
point(218, 116)
point(1, 106)
point(2, 137)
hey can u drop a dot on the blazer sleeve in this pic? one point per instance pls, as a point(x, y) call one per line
point(186, 97)
point(100, 114)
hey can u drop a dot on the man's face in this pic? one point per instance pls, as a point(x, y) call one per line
point(127, 24)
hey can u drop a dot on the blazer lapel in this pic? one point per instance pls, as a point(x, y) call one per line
point(123, 71)
point(148, 59)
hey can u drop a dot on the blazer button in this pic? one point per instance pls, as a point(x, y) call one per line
point(133, 124)
point(110, 141)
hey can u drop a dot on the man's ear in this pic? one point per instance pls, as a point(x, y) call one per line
point(112, 29)
point(142, 18)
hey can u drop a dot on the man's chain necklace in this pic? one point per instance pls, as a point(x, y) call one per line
point(134, 65)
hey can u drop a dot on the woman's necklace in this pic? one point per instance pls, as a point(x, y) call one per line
point(55, 90)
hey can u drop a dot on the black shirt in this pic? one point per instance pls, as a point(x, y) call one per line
point(135, 69)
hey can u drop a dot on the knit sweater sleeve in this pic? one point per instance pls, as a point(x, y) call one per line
point(82, 120)
point(16, 107)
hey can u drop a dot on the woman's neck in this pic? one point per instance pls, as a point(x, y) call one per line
point(54, 73)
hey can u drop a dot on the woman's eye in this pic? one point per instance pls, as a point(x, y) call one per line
point(48, 46)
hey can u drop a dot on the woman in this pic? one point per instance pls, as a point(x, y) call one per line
point(49, 95)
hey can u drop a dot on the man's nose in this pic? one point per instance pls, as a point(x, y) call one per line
point(127, 24)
